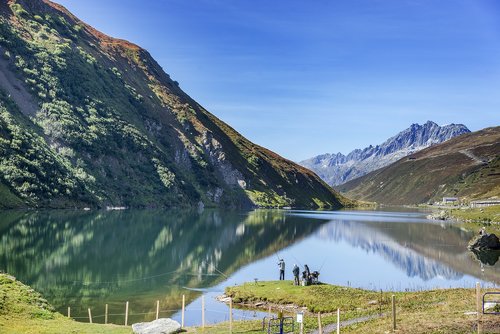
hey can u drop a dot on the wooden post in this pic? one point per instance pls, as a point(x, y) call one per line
point(230, 315)
point(203, 311)
point(106, 314)
point(126, 314)
point(479, 307)
point(320, 328)
point(183, 307)
point(90, 316)
point(269, 312)
point(69, 312)
point(157, 309)
point(393, 312)
point(478, 299)
point(380, 304)
point(338, 321)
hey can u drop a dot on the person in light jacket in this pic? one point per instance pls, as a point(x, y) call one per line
point(281, 265)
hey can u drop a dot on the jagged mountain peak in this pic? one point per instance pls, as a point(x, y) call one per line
point(337, 168)
point(466, 167)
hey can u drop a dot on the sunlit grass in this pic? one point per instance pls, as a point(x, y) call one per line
point(475, 218)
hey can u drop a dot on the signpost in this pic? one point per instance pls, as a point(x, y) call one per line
point(300, 320)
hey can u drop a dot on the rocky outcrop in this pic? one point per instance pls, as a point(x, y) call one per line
point(337, 168)
point(160, 326)
point(441, 215)
point(485, 242)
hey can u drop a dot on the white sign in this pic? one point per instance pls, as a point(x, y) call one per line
point(300, 316)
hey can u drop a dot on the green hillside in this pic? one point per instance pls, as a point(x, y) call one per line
point(467, 167)
point(89, 120)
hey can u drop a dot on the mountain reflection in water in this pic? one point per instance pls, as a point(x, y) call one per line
point(376, 239)
point(416, 246)
point(87, 259)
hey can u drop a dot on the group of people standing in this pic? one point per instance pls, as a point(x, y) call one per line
point(307, 276)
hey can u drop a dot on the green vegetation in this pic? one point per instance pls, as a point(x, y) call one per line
point(475, 218)
point(28, 165)
point(106, 126)
point(23, 310)
point(316, 298)
point(434, 311)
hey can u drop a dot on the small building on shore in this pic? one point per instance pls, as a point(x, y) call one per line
point(450, 200)
point(484, 203)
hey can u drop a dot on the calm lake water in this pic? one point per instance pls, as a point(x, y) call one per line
point(89, 259)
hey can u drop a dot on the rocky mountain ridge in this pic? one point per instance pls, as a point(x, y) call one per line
point(466, 167)
point(338, 168)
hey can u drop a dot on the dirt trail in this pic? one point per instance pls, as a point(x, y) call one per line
point(472, 156)
point(333, 327)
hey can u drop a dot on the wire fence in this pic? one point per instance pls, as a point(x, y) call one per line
point(397, 314)
point(168, 273)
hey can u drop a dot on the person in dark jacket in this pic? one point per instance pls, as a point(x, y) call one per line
point(307, 274)
point(296, 272)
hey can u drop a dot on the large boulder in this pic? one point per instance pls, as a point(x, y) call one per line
point(160, 326)
point(485, 242)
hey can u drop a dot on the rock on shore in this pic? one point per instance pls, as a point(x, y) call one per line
point(160, 326)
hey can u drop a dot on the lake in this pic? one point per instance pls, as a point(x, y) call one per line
point(86, 259)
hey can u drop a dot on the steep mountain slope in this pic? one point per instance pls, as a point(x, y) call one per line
point(467, 166)
point(89, 120)
point(337, 168)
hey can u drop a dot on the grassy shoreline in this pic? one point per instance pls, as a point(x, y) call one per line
point(23, 310)
point(431, 311)
point(475, 218)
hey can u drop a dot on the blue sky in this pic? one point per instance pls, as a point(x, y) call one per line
point(309, 77)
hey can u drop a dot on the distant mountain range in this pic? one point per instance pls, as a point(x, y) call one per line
point(336, 169)
point(87, 120)
point(467, 167)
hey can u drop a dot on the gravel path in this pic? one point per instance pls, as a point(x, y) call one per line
point(333, 327)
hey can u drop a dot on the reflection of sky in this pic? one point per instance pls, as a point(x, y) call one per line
point(343, 264)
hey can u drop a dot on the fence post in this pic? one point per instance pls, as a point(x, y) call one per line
point(90, 316)
point(230, 315)
point(203, 311)
point(157, 309)
point(393, 312)
point(338, 321)
point(106, 315)
point(183, 307)
point(269, 312)
point(320, 328)
point(126, 314)
point(69, 312)
point(380, 304)
point(478, 299)
point(479, 307)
